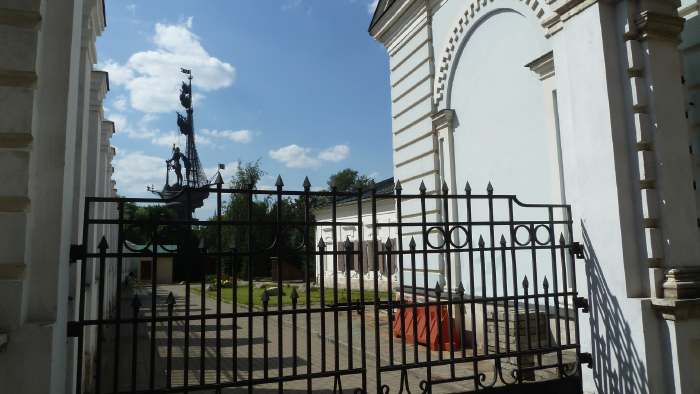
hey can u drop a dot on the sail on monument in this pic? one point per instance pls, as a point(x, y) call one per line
point(193, 179)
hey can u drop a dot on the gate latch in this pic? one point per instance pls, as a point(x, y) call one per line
point(77, 252)
point(577, 250)
point(582, 304)
point(75, 329)
point(586, 358)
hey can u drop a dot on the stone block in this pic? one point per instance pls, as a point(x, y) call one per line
point(16, 109)
point(17, 48)
point(682, 283)
point(14, 174)
point(12, 237)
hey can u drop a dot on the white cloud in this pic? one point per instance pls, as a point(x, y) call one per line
point(153, 77)
point(121, 123)
point(372, 6)
point(133, 171)
point(120, 103)
point(240, 136)
point(335, 154)
point(295, 156)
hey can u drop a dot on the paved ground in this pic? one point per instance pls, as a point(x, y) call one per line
point(236, 345)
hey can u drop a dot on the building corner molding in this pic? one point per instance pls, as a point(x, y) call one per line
point(654, 25)
point(443, 119)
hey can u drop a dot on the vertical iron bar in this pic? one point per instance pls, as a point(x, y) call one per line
point(249, 194)
point(265, 300)
point(377, 301)
point(294, 297)
point(169, 359)
point(504, 278)
point(526, 292)
point(563, 247)
point(219, 250)
point(402, 294)
point(189, 254)
point(438, 298)
point(389, 298)
point(545, 286)
point(360, 259)
point(472, 291)
point(204, 262)
point(307, 279)
point(322, 291)
point(234, 304)
point(100, 315)
point(494, 290)
point(278, 240)
point(555, 294)
point(426, 286)
point(482, 260)
point(118, 311)
point(135, 304)
point(154, 289)
point(412, 246)
point(513, 244)
point(81, 302)
point(535, 291)
point(448, 266)
point(334, 213)
point(349, 259)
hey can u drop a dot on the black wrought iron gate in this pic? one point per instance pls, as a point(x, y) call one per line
point(303, 291)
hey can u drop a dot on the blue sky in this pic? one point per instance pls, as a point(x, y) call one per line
point(298, 84)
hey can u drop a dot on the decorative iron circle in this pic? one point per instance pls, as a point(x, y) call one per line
point(466, 233)
point(549, 235)
point(515, 235)
point(427, 237)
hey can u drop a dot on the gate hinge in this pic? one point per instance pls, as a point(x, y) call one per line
point(577, 250)
point(581, 303)
point(586, 358)
point(75, 329)
point(77, 252)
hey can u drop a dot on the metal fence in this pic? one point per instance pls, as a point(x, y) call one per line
point(482, 298)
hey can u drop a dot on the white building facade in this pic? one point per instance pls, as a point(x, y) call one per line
point(54, 151)
point(580, 102)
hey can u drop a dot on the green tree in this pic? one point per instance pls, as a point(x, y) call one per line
point(252, 245)
point(347, 180)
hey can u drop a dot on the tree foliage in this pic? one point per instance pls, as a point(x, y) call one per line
point(347, 180)
point(258, 238)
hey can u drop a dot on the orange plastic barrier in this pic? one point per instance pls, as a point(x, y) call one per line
point(422, 324)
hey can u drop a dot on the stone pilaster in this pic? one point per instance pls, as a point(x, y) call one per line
point(664, 154)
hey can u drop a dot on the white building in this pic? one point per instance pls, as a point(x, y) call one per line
point(579, 102)
point(346, 210)
point(54, 150)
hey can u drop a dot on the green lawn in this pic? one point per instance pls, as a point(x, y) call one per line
point(242, 295)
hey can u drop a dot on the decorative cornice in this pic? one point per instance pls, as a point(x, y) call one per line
point(543, 66)
point(564, 10)
point(20, 18)
point(653, 25)
point(17, 78)
point(443, 119)
point(460, 30)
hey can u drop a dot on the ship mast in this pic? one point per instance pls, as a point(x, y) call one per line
point(195, 177)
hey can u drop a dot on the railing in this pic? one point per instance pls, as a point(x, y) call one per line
point(481, 295)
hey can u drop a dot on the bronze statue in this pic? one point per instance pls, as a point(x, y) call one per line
point(174, 163)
